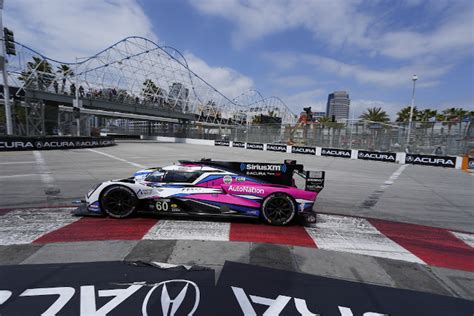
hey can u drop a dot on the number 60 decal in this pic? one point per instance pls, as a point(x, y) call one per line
point(161, 206)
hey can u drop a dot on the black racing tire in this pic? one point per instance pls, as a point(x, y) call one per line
point(278, 209)
point(118, 201)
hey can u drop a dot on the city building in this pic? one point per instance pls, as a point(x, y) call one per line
point(338, 105)
point(318, 115)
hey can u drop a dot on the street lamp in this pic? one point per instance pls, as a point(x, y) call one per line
point(414, 79)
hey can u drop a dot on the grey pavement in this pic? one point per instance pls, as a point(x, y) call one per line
point(430, 196)
point(423, 195)
point(213, 254)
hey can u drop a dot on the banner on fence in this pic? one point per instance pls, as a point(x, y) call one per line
point(277, 147)
point(255, 146)
point(379, 156)
point(303, 150)
point(431, 160)
point(334, 152)
point(221, 143)
point(44, 143)
point(238, 144)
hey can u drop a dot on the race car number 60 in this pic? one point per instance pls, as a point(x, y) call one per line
point(161, 206)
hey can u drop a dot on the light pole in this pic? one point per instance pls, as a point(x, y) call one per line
point(6, 91)
point(414, 79)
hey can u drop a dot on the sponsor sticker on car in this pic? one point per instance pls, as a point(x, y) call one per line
point(227, 179)
point(246, 189)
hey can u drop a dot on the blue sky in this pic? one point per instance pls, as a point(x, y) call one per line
point(298, 50)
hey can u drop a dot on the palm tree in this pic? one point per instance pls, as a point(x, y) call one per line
point(66, 72)
point(426, 117)
point(38, 70)
point(454, 116)
point(375, 114)
point(404, 114)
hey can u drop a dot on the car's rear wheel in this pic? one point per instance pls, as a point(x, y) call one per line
point(118, 201)
point(278, 209)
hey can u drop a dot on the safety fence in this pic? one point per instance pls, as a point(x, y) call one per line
point(457, 162)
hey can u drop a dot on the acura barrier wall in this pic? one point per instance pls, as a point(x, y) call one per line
point(389, 157)
point(12, 143)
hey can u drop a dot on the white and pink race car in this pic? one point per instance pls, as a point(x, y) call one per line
point(211, 188)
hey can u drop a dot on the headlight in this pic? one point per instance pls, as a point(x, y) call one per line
point(93, 189)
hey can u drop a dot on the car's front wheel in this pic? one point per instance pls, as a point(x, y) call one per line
point(278, 209)
point(118, 201)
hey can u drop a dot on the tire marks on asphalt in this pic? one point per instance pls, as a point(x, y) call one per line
point(45, 173)
point(24, 226)
point(370, 201)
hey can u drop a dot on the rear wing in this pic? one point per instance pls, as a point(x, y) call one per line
point(314, 180)
point(274, 173)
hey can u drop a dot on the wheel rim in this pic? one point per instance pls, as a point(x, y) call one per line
point(118, 202)
point(279, 209)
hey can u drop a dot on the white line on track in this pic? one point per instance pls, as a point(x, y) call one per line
point(372, 199)
point(19, 175)
point(17, 162)
point(46, 177)
point(393, 177)
point(117, 158)
point(467, 238)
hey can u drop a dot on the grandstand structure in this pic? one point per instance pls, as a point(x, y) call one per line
point(135, 80)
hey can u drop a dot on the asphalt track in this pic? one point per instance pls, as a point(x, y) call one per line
point(433, 206)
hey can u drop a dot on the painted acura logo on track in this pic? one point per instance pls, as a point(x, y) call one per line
point(171, 306)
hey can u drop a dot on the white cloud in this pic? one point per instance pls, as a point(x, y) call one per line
point(389, 77)
point(353, 23)
point(228, 81)
point(454, 37)
point(296, 102)
point(294, 81)
point(64, 30)
point(67, 29)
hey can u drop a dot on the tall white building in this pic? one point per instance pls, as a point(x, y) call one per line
point(338, 105)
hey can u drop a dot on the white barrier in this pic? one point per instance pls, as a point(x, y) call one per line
point(179, 140)
point(401, 157)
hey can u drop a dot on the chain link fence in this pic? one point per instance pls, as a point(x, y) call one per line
point(443, 138)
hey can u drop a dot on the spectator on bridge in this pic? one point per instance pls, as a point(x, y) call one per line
point(73, 89)
point(63, 85)
point(81, 91)
point(56, 86)
point(137, 100)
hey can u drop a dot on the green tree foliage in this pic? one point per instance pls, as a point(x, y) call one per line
point(151, 91)
point(375, 114)
point(404, 114)
point(38, 73)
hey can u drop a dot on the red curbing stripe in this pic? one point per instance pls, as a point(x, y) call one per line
point(286, 235)
point(90, 229)
point(435, 246)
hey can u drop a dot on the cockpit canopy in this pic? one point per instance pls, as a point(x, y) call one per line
point(173, 176)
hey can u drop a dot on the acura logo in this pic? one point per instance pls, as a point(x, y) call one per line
point(170, 306)
point(409, 158)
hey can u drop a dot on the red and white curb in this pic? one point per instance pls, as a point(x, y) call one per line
point(373, 237)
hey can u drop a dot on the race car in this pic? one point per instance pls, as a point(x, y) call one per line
point(211, 188)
